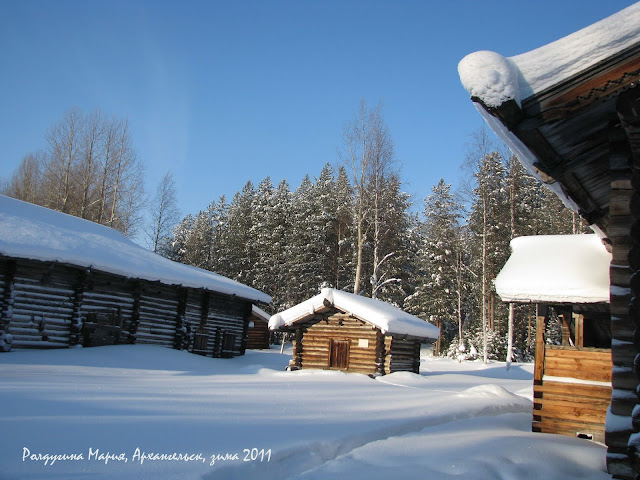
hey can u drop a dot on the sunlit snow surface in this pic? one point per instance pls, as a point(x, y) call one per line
point(452, 421)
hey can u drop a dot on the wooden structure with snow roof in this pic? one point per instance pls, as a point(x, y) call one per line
point(342, 331)
point(570, 112)
point(572, 381)
point(67, 281)
point(258, 329)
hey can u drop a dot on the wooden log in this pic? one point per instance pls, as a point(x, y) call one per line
point(538, 371)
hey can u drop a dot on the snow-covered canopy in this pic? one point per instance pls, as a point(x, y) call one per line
point(495, 79)
point(381, 314)
point(556, 269)
point(37, 233)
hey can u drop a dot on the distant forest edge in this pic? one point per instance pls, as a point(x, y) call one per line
point(350, 228)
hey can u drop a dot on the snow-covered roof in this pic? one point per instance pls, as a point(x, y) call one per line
point(555, 269)
point(496, 79)
point(37, 233)
point(381, 314)
point(258, 312)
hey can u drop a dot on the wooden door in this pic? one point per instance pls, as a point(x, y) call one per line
point(339, 354)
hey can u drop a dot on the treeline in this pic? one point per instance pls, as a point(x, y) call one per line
point(352, 227)
point(439, 264)
point(89, 169)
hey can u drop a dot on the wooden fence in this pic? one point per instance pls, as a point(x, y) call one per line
point(572, 390)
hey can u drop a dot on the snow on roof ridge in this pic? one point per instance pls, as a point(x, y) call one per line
point(496, 79)
point(381, 314)
point(38, 233)
point(259, 312)
point(555, 269)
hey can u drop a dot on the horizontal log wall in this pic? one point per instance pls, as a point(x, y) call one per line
point(44, 304)
point(158, 315)
point(574, 393)
point(7, 270)
point(107, 294)
point(339, 326)
point(193, 317)
point(404, 355)
point(228, 316)
point(258, 335)
point(42, 313)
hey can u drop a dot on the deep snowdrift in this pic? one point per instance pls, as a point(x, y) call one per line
point(106, 408)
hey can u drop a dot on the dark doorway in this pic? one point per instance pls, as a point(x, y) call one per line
point(339, 354)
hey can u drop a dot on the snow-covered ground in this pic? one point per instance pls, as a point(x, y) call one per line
point(105, 412)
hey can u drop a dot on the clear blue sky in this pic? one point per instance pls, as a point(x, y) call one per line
point(225, 92)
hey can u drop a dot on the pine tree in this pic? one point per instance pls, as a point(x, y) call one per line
point(439, 295)
point(239, 244)
point(489, 223)
point(344, 265)
point(306, 254)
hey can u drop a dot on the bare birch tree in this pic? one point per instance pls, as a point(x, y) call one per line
point(163, 210)
point(90, 169)
point(369, 155)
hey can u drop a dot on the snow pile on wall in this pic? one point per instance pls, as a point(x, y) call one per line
point(381, 314)
point(555, 269)
point(37, 233)
point(495, 79)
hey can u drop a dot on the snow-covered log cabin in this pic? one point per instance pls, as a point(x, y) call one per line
point(569, 111)
point(67, 281)
point(572, 381)
point(258, 331)
point(342, 331)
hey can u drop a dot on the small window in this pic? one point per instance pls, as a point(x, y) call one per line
point(251, 324)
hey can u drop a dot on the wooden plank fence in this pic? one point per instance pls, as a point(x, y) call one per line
point(572, 389)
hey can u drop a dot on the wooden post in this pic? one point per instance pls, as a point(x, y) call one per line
point(135, 314)
point(578, 325)
point(181, 324)
point(541, 320)
point(76, 321)
point(245, 327)
point(512, 315)
point(6, 311)
point(297, 349)
point(438, 344)
point(380, 353)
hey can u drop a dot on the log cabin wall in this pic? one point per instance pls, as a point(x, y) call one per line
point(258, 334)
point(7, 271)
point(404, 355)
point(624, 219)
point(336, 340)
point(228, 317)
point(45, 304)
point(194, 315)
point(158, 315)
point(317, 336)
point(572, 391)
point(107, 295)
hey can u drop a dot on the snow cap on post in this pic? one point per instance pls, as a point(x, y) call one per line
point(555, 269)
point(489, 77)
